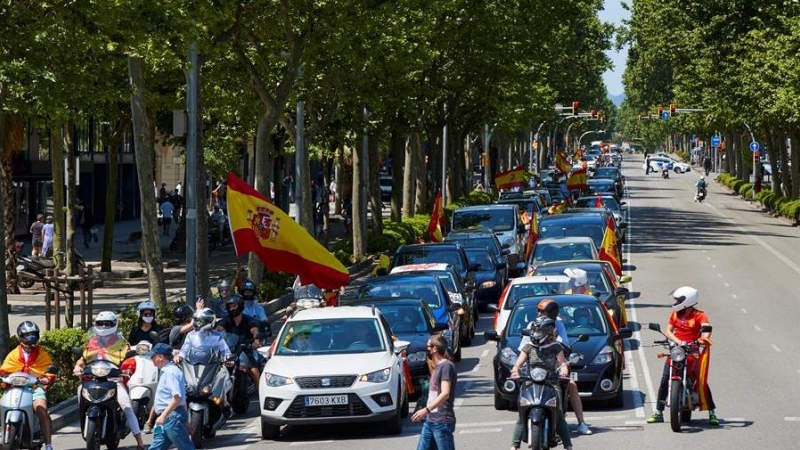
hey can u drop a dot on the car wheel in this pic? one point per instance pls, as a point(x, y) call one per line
point(395, 424)
point(619, 399)
point(469, 332)
point(457, 354)
point(677, 170)
point(404, 408)
point(270, 431)
point(500, 403)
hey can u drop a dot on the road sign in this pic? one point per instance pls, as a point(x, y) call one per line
point(754, 146)
point(715, 140)
point(665, 115)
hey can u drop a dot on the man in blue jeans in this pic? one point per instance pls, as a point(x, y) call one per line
point(172, 426)
point(439, 414)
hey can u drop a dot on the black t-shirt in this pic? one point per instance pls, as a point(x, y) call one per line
point(137, 334)
point(242, 330)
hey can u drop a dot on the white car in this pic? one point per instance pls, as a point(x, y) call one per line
point(526, 287)
point(657, 163)
point(333, 365)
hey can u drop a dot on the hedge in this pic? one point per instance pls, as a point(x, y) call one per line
point(746, 190)
point(791, 209)
point(737, 184)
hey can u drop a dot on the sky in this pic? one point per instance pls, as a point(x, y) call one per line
point(614, 13)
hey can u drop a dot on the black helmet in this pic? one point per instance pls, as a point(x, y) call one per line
point(248, 285)
point(542, 329)
point(549, 307)
point(236, 300)
point(182, 313)
point(28, 333)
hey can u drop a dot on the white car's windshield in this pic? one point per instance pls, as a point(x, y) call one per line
point(330, 337)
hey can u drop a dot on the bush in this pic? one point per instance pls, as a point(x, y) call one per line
point(737, 184)
point(386, 242)
point(684, 156)
point(725, 178)
point(746, 190)
point(59, 343)
point(763, 194)
point(777, 201)
point(790, 209)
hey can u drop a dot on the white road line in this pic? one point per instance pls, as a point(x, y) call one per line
point(457, 403)
point(295, 444)
point(726, 284)
point(719, 275)
point(480, 430)
point(757, 328)
point(744, 311)
point(735, 296)
point(792, 419)
point(599, 418)
point(776, 348)
point(476, 368)
point(638, 404)
point(484, 353)
point(635, 422)
point(713, 266)
point(707, 257)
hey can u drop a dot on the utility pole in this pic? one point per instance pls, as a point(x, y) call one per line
point(191, 176)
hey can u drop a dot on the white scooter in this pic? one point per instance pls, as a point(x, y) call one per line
point(20, 425)
point(143, 382)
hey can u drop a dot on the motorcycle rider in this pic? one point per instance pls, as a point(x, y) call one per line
point(205, 337)
point(579, 281)
point(183, 325)
point(107, 343)
point(701, 185)
point(146, 323)
point(247, 330)
point(543, 350)
point(31, 358)
point(686, 324)
point(251, 306)
point(707, 164)
point(217, 304)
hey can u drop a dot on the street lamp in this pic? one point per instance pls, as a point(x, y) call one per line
point(589, 132)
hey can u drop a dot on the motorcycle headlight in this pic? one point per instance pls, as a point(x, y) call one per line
point(379, 376)
point(18, 381)
point(508, 357)
point(604, 357)
point(417, 357)
point(677, 354)
point(538, 374)
point(107, 396)
point(142, 349)
point(552, 402)
point(488, 284)
point(274, 380)
point(100, 372)
point(206, 390)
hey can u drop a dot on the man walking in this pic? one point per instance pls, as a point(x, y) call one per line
point(439, 414)
point(172, 426)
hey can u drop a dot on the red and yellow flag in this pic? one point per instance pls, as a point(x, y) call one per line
point(510, 178)
point(701, 384)
point(562, 164)
point(281, 243)
point(598, 201)
point(533, 236)
point(608, 248)
point(437, 220)
point(577, 180)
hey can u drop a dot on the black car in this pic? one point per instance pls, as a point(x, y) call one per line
point(410, 320)
point(612, 173)
point(441, 252)
point(481, 238)
point(602, 186)
point(598, 374)
point(490, 279)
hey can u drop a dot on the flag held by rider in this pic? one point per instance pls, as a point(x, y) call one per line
point(281, 244)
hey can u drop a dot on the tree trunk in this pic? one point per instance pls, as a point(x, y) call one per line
point(263, 176)
point(457, 172)
point(72, 204)
point(398, 146)
point(772, 152)
point(114, 143)
point(338, 170)
point(375, 187)
point(202, 282)
point(145, 161)
point(410, 165)
point(786, 171)
point(306, 215)
point(359, 196)
point(9, 141)
point(795, 135)
point(57, 164)
point(421, 172)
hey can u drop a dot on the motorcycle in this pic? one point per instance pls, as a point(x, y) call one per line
point(538, 401)
point(143, 382)
point(204, 393)
point(103, 419)
point(243, 386)
point(20, 424)
point(684, 367)
point(700, 195)
point(664, 171)
point(30, 270)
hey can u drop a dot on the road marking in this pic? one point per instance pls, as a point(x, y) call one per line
point(484, 353)
point(757, 328)
point(480, 430)
point(638, 403)
point(476, 368)
point(635, 422)
point(735, 296)
point(707, 257)
point(792, 419)
point(590, 418)
point(457, 403)
point(776, 348)
point(713, 266)
point(726, 284)
point(744, 311)
point(486, 424)
point(719, 275)
point(294, 444)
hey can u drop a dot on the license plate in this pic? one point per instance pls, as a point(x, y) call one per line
point(574, 376)
point(326, 400)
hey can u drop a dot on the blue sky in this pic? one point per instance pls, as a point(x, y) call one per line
point(614, 13)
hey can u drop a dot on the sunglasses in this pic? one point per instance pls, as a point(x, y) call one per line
point(147, 314)
point(104, 324)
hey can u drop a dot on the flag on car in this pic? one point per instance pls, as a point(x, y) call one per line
point(562, 164)
point(510, 178)
point(598, 202)
point(281, 244)
point(577, 180)
point(533, 236)
point(608, 248)
point(436, 224)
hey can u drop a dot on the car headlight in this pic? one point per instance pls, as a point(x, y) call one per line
point(508, 357)
point(677, 354)
point(380, 376)
point(274, 380)
point(488, 284)
point(508, 241)
point(604, 357)
point(417, 357)
point(538, 374)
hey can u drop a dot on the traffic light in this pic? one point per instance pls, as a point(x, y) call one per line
point(671, 109)
point(649, 115)
point(600, 116)
point(575, 107)
point(660, 111)
point(593, 114)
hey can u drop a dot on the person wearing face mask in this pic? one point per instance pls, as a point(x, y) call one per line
point(251, 306)
point(579, 281)
point(246, 329)
point(145, 324)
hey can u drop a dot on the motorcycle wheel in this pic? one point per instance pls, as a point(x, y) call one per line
point(24, 282)
point(675, 404)
point(92, 436)
point(14, 436)
point(241, 401)
point(196, 419)
point(534, 436)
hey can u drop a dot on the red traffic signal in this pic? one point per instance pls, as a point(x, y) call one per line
point(575, 107)
point(671, 109)
point(593, 114)
point(660, 111)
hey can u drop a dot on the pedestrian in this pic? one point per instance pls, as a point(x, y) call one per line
point(439, 413)
point(646, 165)
point(36, 235)
point(87, 223)
point(172, 426)
point(167, 208)
point(178, 188)
point(162, 193)
point(48, 234)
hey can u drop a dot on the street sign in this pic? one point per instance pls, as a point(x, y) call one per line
point(715, 140)
point(665, 115)
point(754, 146)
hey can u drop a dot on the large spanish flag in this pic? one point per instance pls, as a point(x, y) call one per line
point(437, 220)
point(562, 164)
point(577, 180)
point(608, 248)
point(701, 384)
point(510, 178)
point(281, 243)
point(533, 236)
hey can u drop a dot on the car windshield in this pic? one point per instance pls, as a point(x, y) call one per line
point(330, 337)
point(520, 318)
point(477, 242)
point(597, 281)
point(522, 204)
point(405, 318)
point(584, 319)
point(405, 288)
point(448, 281)
point(562, 251)
point(519, 291)
point(496, 219)
point(597, 202)
point(481, 257)
point(423, 256)
point(574, 229)
point(606, 173)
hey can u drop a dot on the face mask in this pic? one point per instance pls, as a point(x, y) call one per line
point(429, 354)
point(235, 312)
point(148, 319)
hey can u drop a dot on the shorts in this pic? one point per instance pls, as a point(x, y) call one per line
point(39, 393)
point(166, 221)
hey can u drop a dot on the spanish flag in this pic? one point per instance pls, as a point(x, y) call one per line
point(510, 178)
point(533, 236)
point(562, 164)
point(577, 180)
point(281, 243)
point(437, 219)
point(608, 248)
point(701, 384)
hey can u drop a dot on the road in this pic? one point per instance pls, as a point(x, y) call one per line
point(746, 267)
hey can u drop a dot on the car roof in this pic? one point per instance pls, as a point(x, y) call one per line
point(467, 232)
point(579, 263)
point(580, 217)
point(409, 301)
point(341, 312)
point(565, 239)
point(484, 207)
point(402, 275)
point(534, 279)
point(601, 181)
point(430, 246)
point(443, 267)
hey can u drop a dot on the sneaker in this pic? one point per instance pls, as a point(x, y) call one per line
point(713, 419)
point(584, 429)
point(148, 428)
point(48, 446)
point(658, 417)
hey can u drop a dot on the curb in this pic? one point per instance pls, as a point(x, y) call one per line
point(61, 414)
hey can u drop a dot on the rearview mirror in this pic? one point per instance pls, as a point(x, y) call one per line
point(654, 326)
point(624, 333)
point(491, 335)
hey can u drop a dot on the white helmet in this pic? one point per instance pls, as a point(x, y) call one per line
point(105, 324)
point(578, 276)
point(144, 306)
point(702, 177)
point(684, 297)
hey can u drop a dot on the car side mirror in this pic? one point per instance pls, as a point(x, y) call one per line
point(492, 307)
point(440, 327)
point(526, 332)
point(625, 279)
point(400, 346)
point(491, 335)
point(621, 291)
point(505, 250)
point(623, 333)
point(654, 326)
point(501, 265)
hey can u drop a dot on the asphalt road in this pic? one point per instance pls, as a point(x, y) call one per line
point(747, 269)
